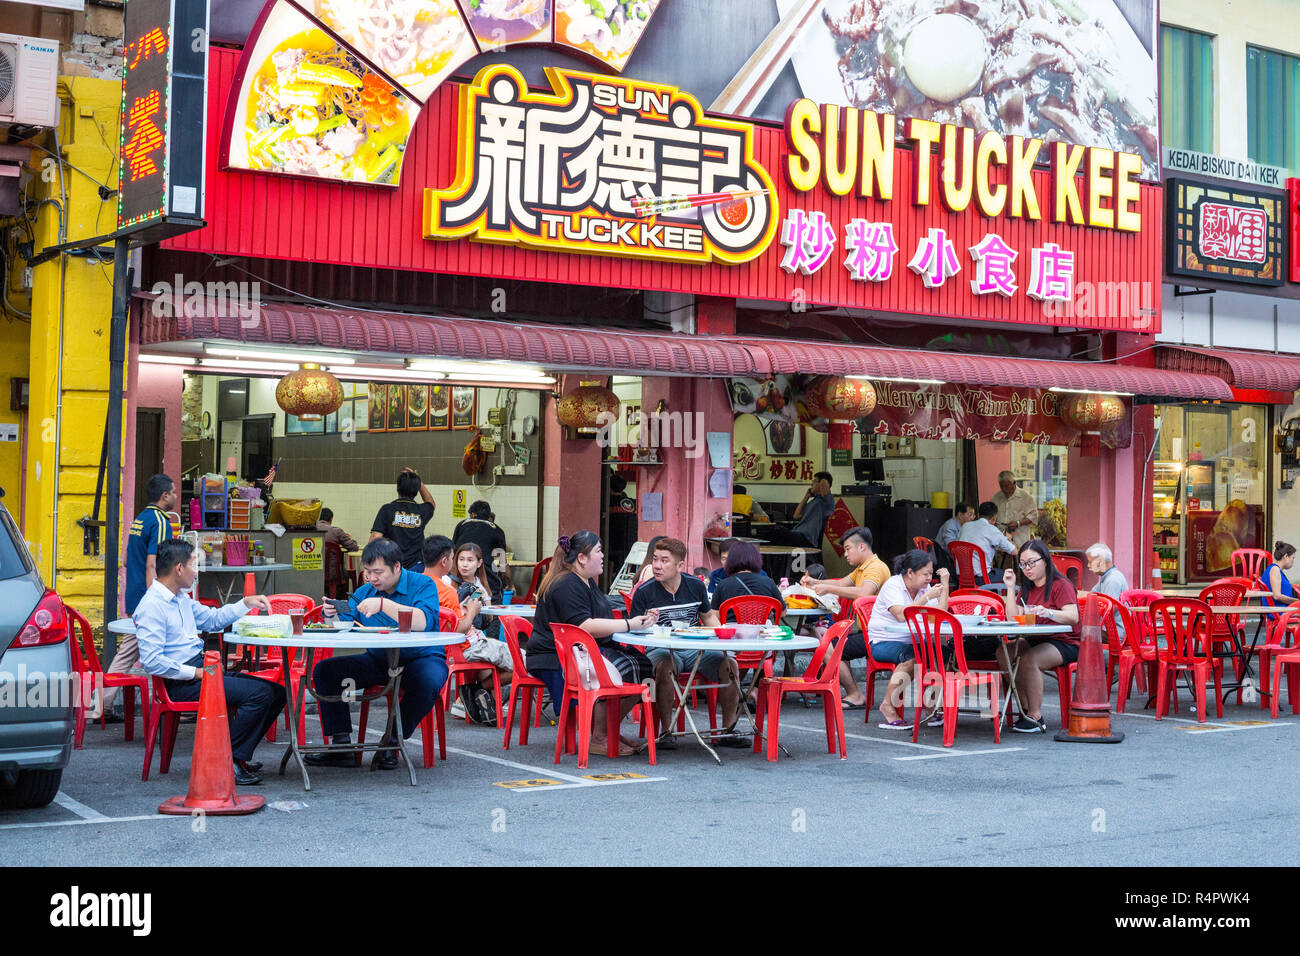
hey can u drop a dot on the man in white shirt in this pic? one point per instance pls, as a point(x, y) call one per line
point(1017, 510)
point(950, 530)
point(982, 533)
point(167, 628)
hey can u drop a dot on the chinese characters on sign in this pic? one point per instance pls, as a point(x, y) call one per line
point(809, 239)
point(560, 170)
point(1228, 232)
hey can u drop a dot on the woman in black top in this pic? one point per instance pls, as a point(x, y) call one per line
point(480, 529)
point(745, 576)
point(569, 595)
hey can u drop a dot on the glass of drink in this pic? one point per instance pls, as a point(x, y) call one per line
point(296, 616)
point(404, 617)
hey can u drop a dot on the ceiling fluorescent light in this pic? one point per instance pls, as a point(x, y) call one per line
point(394, 372)
point(888, 378)
point(170, 359)
point(237, 367)
point(1088, 391)
point(501, 370)
point(268, 355)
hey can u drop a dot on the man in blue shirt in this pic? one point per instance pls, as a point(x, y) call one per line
point(388, 588)
point(150, 529)
point(167, 628)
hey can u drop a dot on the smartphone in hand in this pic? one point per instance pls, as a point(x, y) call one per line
point(340, 606)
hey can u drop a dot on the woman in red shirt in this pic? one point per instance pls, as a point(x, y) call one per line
point(1039, 589)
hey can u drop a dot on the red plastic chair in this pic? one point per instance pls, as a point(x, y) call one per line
point(752, 609)
point(970, 562)
point(538, 572)
point(274, 659)
point(434, 724)
point(1070, 566)
point(1227, 629)
point(1138, 656)
point(931, 629)
point(164, 714)
point(460, 671)
point(1249, 563)
point(1186, 624)
point(922, 543)
point(524, 687)
point(86, 663)
point(862, 608)
point(1281, 649)
point(822, 677)
point(567, 637)
point(969, 602)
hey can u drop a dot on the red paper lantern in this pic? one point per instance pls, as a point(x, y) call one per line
point(582, 407)
point(1092, 413)
point(309, 393)
point(840, 399)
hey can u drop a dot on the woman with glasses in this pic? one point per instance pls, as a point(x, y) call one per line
point(1037, 588)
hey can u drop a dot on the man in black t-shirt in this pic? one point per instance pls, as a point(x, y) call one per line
point(683, 601)
point(403, 520)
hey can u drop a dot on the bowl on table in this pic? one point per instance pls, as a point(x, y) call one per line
point(725, 633)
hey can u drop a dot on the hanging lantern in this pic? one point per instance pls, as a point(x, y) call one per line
point(1092, 413)
point(840, 399)
point(310, 393)
point(582, 407)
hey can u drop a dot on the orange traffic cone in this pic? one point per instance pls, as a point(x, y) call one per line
point(212, 771)
point(1090, 700)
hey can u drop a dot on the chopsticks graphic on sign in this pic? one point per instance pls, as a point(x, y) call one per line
point(645, 206)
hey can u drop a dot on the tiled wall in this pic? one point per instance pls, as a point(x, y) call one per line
point(355, 505)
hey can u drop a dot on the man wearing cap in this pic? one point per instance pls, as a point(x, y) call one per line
point(1017, 510)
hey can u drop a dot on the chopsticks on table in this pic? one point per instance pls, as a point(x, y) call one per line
point(746, 90)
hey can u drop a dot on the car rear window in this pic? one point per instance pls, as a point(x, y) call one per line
point(15, 561)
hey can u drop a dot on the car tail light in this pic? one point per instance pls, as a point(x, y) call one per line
point(48, 624)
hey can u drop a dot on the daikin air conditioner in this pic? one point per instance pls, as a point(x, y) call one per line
point(29, 77)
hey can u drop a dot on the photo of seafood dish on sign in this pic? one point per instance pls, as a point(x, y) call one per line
point(417, 43)
point(1058, 70)
point(605, 29)
point(501, 22)
point(309, 107)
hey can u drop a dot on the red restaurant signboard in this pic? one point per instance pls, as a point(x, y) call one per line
point(825, 250)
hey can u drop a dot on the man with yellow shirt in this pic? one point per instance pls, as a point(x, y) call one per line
point(868, 575)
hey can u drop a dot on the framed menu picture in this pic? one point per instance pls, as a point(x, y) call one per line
point(439, 407)
point(396, 408)
point(378, 418)
point(462, 406)
point(417, 408)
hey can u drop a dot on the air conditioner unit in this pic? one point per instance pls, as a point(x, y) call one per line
point(29, 77)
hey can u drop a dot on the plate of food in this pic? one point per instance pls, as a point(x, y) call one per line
point(331, 627)
point(366, 629)
point(501, 22)
point(694, 633)
point(1071, 70)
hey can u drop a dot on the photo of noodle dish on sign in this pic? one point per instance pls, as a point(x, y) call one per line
point(1057, 70)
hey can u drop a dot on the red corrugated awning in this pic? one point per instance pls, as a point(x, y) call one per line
point(565, 348)
point(1244, 370)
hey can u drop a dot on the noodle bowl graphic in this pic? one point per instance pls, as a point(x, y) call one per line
point(331, 89)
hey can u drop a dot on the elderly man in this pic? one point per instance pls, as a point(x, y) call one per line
point(1017, 510)
point(1110, 579)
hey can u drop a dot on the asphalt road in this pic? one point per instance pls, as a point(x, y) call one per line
point(1173, 793)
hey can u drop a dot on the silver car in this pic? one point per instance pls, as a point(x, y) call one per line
point(37, 682)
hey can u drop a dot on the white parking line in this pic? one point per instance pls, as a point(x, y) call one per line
point(936, 751)
point(77, 807)
point(76, 823)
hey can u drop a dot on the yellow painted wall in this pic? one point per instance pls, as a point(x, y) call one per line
point(71, 306)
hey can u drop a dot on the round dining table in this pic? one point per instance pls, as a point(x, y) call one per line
point(509, 610)
point(312, 640)
point(675, 642)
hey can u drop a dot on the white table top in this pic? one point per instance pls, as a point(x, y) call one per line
point(807, 612)
point(123, 625)
point(504, 610)
point(648, 639)
point(347, 639)
point(1017, 630)
point(242, 568)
